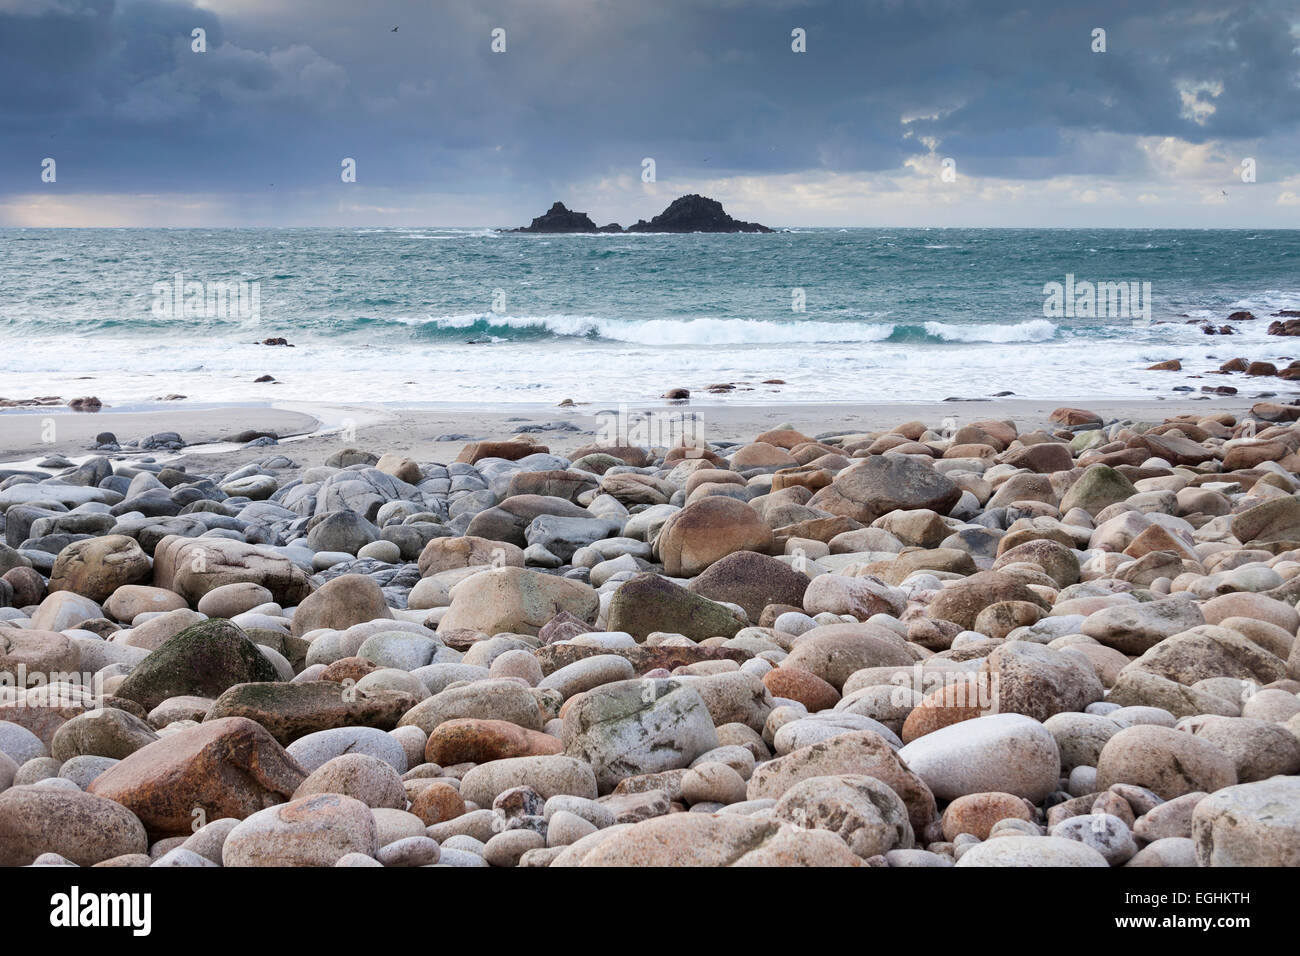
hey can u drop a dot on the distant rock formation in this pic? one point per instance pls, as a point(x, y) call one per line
point(693, 213)
point(560, 218)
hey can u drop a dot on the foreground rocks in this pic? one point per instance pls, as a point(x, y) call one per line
point(1072, 644)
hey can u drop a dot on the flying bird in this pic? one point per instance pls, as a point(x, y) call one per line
point(394, 30)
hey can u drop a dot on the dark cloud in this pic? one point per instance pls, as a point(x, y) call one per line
point(589, 87)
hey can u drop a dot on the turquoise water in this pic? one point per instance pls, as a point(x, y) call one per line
point(390, 314)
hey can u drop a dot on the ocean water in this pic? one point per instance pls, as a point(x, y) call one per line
point(473, 315)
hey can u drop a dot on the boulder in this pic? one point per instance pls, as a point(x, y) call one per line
point(96, 567)
point(707, 530)
point(226, 768)
point(202, 661)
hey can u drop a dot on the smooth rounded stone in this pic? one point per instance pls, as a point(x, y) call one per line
point(1037, 681)
point(1210, 651)
point(427, 594)
point(1167, 762)
point(413, 741)
point(483, 653)
point(437, 802)
point(314, 750)
point(58, 783)
point(1276, 640)
point(856, 752)
point(515, 600)
point(180, 857)
point(127, 860)
point(597, 814)
point(1008, 753)
point(409, 851)
point(677, 839)
point(84, 769)
point(733, 697)
point(19, 743)
point(738, 758)
point(454, 857)
point(366, 778)
point(386, 551)
point(186, 707)
point(104, 732)
point(208, 840)
point(1107, 834)
point(392, 679)
point(888, 704)
point(1031, 851)
point(1134, 715)
point(80, 827)
point(794, 847)
point(131, 600)
point(1257, 607)
point(805, 731)
point(1168, 851)
point(357, 859)
point(863, 811)
point(226, 768)
point(548, 775)
point(466, 843)
point(712, 783)
point(231, 600)
point(396, 825)
point(399, 650)
point(36, 652)
point(1136, 628)
point(638, 726)
point(1173, 818)
point(312, 831)
point(1140, 688)
point(794, 623)
point(203, 660)
point(96, 567)
point(1081, 737)
point(978, 813)
point(518, 663)
point(835, 651)
point(916, 859)
point(1082, 780)
point(469, 740)
point(1251, 824)
point(505, 848)
point(1257, 748)
point(151, 632)
point(588, 673)
point(1275, 706)
point(51, 859)
point(803, 686)
point(32, 771)
point(606, 640)
point(495, 699)
point(324, 560)
point(564, 828)
point(437, 677)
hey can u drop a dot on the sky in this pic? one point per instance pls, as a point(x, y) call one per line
point(923, 113)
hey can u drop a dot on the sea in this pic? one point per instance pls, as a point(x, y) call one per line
point(476, 315)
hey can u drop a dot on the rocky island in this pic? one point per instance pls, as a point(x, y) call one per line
point(692, 213)
point(559, 218)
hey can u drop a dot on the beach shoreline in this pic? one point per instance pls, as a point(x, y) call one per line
point(311, 432)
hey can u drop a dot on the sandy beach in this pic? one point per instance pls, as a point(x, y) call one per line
point(311, 432)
